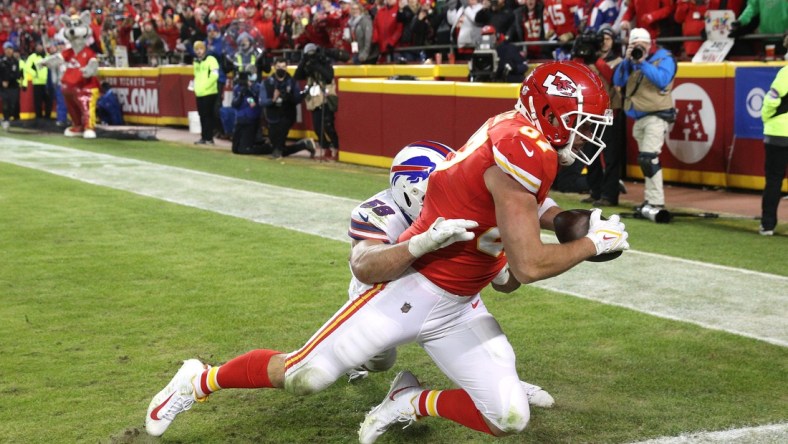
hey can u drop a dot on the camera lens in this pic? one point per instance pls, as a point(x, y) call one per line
point(637, 53)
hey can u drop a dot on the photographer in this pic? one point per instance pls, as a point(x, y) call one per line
point(645, 79)
point(321, 96)
point(247, 114)
point(279, 95)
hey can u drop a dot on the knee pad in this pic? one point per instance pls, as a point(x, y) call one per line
point(649, 164)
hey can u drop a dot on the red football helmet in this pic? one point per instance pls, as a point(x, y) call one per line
point(564, 100)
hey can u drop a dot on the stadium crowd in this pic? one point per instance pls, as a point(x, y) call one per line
point(369, 31)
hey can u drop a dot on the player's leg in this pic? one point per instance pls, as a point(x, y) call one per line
point(467, 344)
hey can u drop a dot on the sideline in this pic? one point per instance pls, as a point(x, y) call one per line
point(733, 300)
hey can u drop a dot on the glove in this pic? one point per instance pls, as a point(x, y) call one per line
point(441, 233)
point(502, 277)
point(607, 235)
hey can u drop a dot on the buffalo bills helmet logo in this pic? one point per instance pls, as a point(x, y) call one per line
point(413, 170)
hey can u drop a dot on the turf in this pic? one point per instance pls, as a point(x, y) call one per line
point(104, 292)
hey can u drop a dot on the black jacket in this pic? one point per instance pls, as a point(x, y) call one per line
point(10, 71)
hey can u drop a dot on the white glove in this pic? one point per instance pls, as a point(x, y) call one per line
point(503, 276)
point(441, 233)
point(608, 235)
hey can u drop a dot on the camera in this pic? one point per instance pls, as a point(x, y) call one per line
point(637, 53)
point(587, 46)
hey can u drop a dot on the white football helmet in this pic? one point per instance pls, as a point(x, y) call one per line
point(410, 172)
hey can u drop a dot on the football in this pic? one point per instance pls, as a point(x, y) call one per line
point(573, 224)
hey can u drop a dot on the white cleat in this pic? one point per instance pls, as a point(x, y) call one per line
point(89, 134)
point(356, 374)
point(397, 407)
point(178, 396)
point(537, 396)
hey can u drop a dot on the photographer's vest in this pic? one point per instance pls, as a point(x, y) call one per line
point(644, 95)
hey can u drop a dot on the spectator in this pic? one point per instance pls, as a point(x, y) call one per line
point(360, 35)
point(321, 98)
point(11, 75)
point(647, 14)
point(690, 14)
point(386, 29)
point(42, 99)
point(279, 95)
point(605, 12)
point(604, 173)
point(206, 76)
point(216, 47)
point(169, 32)
point(150, 44)
point(417, 28)
point(775, 139)
point(528, 26)
point(108, 108)
point(562, 19)
point(247, 114)
point(645, 78)
point(496, 14)
point(464, 27)
point(268, 28)
point(773, 16)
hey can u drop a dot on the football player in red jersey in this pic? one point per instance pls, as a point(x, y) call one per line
point(482, 201)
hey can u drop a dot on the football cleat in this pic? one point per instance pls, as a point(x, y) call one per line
point(357, 374)
point(537, 396)
point(396, 407)
point(178, 396)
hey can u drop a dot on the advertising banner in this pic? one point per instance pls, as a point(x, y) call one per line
point(751, 85)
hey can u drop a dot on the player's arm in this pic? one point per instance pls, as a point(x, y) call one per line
point(547, 212)
point(376, 261)
point(516, 211)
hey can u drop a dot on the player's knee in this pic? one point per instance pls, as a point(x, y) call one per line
point(307, 380)
point(512, 413)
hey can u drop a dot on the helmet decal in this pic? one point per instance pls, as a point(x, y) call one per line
point(414, 169)
point(560, 85)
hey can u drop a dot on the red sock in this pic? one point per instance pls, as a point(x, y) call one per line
point(246, 371)
point(454, 405)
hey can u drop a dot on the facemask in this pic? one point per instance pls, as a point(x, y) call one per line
point(281, 72)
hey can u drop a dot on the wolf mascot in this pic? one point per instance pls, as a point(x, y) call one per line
point(80, 83)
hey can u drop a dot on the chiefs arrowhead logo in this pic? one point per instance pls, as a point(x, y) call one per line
point(559, 84)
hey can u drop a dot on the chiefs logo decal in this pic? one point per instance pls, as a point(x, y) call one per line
point(559, 84)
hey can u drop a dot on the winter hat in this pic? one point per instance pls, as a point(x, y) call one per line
point(310, 48)
point(244, 35)
point(639, 35)
point(8, 45)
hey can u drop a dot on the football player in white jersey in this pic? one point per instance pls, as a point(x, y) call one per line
point(375, 225)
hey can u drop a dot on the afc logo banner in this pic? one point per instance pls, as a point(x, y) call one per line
point(691, 136)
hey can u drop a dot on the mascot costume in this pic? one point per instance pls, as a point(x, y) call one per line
point(80, 83)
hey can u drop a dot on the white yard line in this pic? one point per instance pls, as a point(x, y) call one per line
point(734, 300)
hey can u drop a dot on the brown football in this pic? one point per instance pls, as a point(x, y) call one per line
point(573, 224)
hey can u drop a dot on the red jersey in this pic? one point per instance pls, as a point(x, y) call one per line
point(457, 191)
point(561, 16)
point(73, 78)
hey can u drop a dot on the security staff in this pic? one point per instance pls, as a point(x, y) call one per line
point(645, 79)
point(775, 139)
point(206, 89)
point(10, 77)
point(42, 97)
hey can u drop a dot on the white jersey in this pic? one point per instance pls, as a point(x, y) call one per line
point(377, 218)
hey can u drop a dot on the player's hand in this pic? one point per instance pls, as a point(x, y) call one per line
point(441, 233)
point(607, 235)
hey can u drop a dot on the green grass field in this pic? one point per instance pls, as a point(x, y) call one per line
point(104, 292)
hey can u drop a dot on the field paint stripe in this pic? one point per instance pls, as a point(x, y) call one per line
point(725, 298)
point(773, 433)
